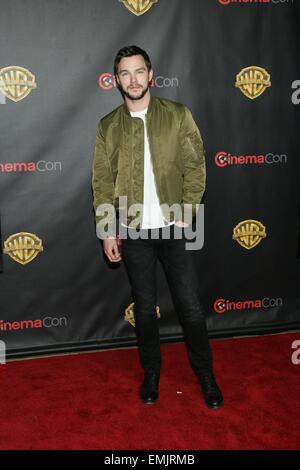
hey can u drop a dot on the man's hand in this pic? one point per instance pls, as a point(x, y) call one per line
point(180, 223)
point(110, 247)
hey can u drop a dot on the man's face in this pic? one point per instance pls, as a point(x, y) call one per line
point(133, 77)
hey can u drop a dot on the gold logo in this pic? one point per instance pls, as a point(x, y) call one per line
point(129, 314)
point(23, 247)
point(249, 233)
point(138, 7)
point(16, 82)
point(252, 81)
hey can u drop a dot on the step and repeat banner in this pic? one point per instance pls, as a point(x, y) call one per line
point(236, 65)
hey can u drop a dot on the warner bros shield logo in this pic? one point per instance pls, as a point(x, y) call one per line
point(249, 233)
point(16, 82)
point(253, 81)
point(138, 7)
point(23, 247)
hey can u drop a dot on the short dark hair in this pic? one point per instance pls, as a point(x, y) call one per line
point(129, 51)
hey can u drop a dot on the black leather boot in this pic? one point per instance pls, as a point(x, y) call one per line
point(212, 394)
point(149, 387)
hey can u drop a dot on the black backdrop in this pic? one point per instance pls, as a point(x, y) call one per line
point(68, 297)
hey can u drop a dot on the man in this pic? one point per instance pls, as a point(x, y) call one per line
point(149, 152)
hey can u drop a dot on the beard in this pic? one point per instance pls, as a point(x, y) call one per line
point(141, 94)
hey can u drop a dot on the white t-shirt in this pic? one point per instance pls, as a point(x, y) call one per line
point(152, 213)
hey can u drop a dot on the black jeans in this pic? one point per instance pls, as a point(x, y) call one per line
point(140, 257)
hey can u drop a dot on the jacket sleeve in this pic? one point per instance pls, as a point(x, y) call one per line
point(103, 189)
point(193, 158)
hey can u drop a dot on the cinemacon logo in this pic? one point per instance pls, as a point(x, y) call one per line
point(276, 2)
point(47, 322)
point(107, 82)
point(227, 159)
point(223, 305)
point(31, 167)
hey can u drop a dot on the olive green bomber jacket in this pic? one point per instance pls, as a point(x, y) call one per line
point(178, 161)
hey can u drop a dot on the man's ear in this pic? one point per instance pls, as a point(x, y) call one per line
point(117, 79)
point(150, 75)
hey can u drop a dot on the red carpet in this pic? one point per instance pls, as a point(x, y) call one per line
point(89, 401)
